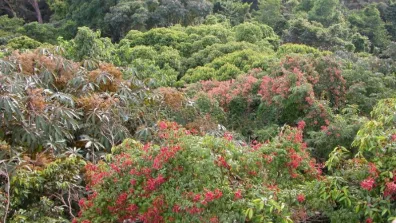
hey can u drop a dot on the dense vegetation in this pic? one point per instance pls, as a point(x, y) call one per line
point(197, 111)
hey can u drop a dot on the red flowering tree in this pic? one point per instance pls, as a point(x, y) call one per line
point(291, 94)
point(202, 179)
point(226, 91)
point(298, 88)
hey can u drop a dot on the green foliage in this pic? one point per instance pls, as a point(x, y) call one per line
point(325, 12)
point(45, 33)
point(270, 13)
point(248, 32)
point(236, 11)
point(127, 15)
point(44, 211)
point(390, 19)
point(43, 189)
point(156, 38)
point(367, 83)
point(268, 209)
point(364, 186)
point(376, 136)
point(368, 22)
point(227, 71)
point(390, 50)
point(89, 45)
point(89, 13)
point(314, 34)
point(10, 24)
point(339, 133)
point(361, 43)
point(214, 51)
point(22, 43)
point(197, 74)
point(227, 66)
point(287, 49)
point(8, 28)
point(56, 177)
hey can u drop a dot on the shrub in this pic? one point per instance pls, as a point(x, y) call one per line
point(45, 33)
point(366, 82)
point(8, 28)
point(366, 183)
point(227, 71)
point(339, 133)
point(291, 92)
point(248, 32)
point(361, 43)
point(290, 48)
point(23, 43)
point(39, 188)
point(87, 44)
point(10, 24)
point(191, 177)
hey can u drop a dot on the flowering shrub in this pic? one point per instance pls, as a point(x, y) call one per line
point(292, 95)
point(365, 185)
point(202, 179)
point(225, 91)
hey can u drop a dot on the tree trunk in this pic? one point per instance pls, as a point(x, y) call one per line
point(36, 7)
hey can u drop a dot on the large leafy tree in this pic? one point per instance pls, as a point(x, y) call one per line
point(125, 16)
point(89, 13)
point(270, 12)
point(325, 12)
point(390, 16)
point(236, 11)
point(368, 22)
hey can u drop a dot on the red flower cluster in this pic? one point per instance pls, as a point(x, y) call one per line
point(222, 162)
point(225, 91)
point(153, 213)
point(390, 190)
point(301, 198)
point(95, 175)
point(121, 198)
point(191, 210)
point(165, 155)
point(162, 125)
point(368, 184)
point(301, 125)
point(154, 183)
point(295, 159)
point(238, 195)
point(214, 220)
point(212, 195)
point(228, 136)
point(269, 158)
point(373, 170)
